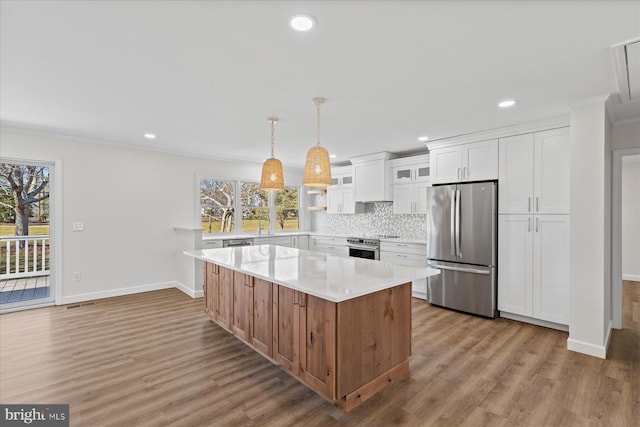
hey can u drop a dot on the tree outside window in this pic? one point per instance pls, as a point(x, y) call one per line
point(217, 205)
point(255, 207)
point(286, 204)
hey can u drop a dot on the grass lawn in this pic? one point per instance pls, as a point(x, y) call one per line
point(10, 229)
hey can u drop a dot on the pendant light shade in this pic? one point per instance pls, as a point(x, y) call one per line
point(272, 176)
point(317, 171)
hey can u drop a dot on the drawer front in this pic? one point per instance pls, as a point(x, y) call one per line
point(332, 249)
point(211, 244)
point(405, 248)
point(410, 260)
point(280, 241)
point(328, 240)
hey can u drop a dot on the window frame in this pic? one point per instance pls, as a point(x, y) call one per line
point(237, 182)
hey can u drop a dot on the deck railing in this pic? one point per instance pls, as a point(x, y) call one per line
point(24, 256)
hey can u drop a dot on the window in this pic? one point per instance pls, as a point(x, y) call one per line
point(217, 205)
point(255, 208)
point(228, 206)
point(286, 206)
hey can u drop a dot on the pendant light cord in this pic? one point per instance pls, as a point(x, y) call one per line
point(272, 139)
point(318, 122)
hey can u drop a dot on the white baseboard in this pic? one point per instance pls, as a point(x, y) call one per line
point(587, 348)
point(631, 277)
point(117, 292)
point(187, 290)
point(538, 322)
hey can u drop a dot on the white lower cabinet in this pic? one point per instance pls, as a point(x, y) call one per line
point(273, 240)
point(409, 254)
point(329, 244)
point(533, 266)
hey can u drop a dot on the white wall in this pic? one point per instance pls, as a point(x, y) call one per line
point(130, 201)
point(590, 258)
point(631, 218)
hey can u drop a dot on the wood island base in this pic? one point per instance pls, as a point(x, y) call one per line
point(345, 351)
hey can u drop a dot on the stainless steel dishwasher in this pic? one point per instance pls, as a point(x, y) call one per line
point(236, 242)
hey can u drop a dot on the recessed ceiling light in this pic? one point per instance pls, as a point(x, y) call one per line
point(423, 138)
point(507, 103)
point(333, 156)
point(302, 22)
point(149, 136)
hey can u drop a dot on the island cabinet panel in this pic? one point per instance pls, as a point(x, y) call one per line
point(317, 346)
point(374, 337)
point(241, 306)
point(286, 329)
point(211, 290)
point(345, 351)
point(262, 317)
point(225, 295)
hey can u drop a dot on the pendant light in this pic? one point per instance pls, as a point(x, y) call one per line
point(272, 176)
point(317, 171)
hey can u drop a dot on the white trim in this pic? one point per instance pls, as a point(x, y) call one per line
point(533, 321)
point(189, 291)
point(626, 121)
point(616, 234)
point(55, 227)
point(26, 307)
point(608, 338)
point(631, 277)
point(601, 99)
point(92, 139)
point(118, 292)
point(517, 129)
point(587, 348)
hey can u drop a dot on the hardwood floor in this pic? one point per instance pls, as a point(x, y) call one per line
point(154, 359)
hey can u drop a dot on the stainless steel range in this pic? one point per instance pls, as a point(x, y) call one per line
point(366, 247)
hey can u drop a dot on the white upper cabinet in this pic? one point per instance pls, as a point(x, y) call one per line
point(534, 173)
point(552, 171)
point(411, 180)
point(476, 161)
point(515, 179)
point(340, 192)
point(372, 177)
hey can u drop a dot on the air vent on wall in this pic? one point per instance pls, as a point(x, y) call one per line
point(627, 63)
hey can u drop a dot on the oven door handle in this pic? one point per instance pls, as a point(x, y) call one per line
point(366, 248)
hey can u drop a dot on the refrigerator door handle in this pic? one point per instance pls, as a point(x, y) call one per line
point(460, 269)
point(458, 213)
point(453, 221)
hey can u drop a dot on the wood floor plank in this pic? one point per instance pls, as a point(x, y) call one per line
point(154, 359)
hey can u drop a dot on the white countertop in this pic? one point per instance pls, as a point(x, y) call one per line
point(330, 277)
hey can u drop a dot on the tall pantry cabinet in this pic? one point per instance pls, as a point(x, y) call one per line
point(533, 225)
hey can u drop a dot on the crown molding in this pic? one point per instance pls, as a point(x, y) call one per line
point(518, 129)
point(89, 139)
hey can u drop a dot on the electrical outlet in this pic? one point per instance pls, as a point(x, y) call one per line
point(76, 276)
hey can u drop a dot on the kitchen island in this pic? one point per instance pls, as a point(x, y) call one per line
point(341, 326)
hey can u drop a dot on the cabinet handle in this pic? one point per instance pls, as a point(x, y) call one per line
point(459, 174)
point(529, 225)
point(465, 173)
point(537, 204)
point(529, 206)
point(536, 225)
point(311, 337)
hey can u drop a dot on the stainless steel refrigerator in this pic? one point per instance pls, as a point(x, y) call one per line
point(462, 243)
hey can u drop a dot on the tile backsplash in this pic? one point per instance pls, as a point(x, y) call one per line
point(378, 218)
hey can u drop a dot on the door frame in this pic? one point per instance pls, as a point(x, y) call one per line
point(616, 235)
point(55, 230)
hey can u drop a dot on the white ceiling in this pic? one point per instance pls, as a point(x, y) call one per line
point(204, 76)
